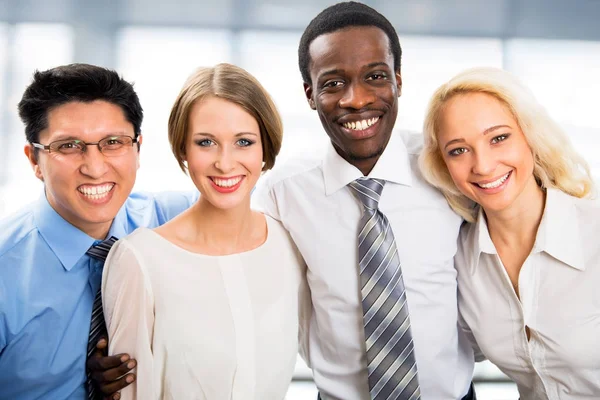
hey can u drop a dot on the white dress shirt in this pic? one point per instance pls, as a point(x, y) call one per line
point(559, 286)
point(314, 203)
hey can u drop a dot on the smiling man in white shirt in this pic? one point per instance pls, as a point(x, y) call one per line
point(360, 346)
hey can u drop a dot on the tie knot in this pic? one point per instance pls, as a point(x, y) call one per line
point(100, 250)
point(368, 191)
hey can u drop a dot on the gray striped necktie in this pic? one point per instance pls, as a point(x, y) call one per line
point(390, 351)
point(97, 325)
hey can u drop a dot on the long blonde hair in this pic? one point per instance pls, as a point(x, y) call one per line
point(556, 163)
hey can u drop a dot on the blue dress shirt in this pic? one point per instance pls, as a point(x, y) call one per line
point(47, 288)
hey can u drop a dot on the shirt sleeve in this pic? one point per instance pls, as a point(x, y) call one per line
point(129, 313)
point(171, 204)
point(479, 356)
point(304, 312)
point(264, 199)
point(3, 308)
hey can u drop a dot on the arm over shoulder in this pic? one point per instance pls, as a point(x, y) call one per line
point(265, 200)
point(129, 312)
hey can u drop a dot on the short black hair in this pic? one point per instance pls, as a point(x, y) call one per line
point(340, 16)
point(76, 83)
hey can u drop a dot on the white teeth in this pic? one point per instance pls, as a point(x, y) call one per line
point(96, 192)
point(360, 125)
point(494, 184)
point(227, 182)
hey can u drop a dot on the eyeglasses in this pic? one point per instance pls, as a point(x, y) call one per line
point(109, 146)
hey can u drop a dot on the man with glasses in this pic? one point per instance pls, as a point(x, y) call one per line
point(82, 125)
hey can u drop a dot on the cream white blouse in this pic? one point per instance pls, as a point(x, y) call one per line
point(204, 327)
point(559, 288)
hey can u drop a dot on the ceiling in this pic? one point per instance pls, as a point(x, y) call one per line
point(550, 19)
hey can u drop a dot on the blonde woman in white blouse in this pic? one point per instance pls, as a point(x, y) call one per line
point(208, 303)
point(529, 255)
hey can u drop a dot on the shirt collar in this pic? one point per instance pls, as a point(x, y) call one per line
point(477, 241)
point(120, 226)
point(66, 241)
point(558, 233)
point(392, 166)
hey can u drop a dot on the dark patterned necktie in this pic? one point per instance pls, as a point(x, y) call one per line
point(97, 325)
point(391, 359)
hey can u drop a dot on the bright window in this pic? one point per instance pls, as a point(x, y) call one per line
point(33, 47)
point(158, 61)
point(563, 75)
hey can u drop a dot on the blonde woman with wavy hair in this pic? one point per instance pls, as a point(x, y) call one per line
point(528, 261)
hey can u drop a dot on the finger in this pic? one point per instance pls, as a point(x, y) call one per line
point(101, 363)
point(113, 387)
point(115, 396)
point(102, 343)
point(113, 374)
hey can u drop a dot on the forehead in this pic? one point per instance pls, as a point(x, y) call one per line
point(216, 115)
point(86, 121)
point(350, 48)
point(475, 106)
point(473, 112)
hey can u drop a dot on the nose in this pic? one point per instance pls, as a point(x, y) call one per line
point(484, 163)
point(357, 96)
point(225, 160)
point(94, 163)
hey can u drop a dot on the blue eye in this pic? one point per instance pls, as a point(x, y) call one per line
point(245, 142)
point(204, 142)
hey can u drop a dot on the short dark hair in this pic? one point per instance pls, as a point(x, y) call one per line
point(340, 16)
point(75, 83)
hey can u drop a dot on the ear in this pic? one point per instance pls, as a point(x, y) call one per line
point(30, 153)
point(308, 92)
point(139, 146)
point(184, 152)
point(399, 82)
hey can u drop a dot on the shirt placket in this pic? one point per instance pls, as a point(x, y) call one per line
point(528, 351)
point(529, 293)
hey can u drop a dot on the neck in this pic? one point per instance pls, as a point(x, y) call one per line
point(517, 225)
point(365, 166)
point(222, 229)
point(99, 232)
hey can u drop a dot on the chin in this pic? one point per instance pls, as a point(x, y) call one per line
point(366, 155)
point(226, 204)
point(496, 206)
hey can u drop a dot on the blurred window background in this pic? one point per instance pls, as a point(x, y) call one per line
point(552, 45)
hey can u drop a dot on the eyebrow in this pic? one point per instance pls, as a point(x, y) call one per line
point(488, 130)
point(378, 64)
point(71, 137)
point(334, 71)
point(339, 70)
point(210, 135)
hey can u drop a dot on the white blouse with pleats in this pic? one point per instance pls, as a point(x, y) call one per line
point(205, 327)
